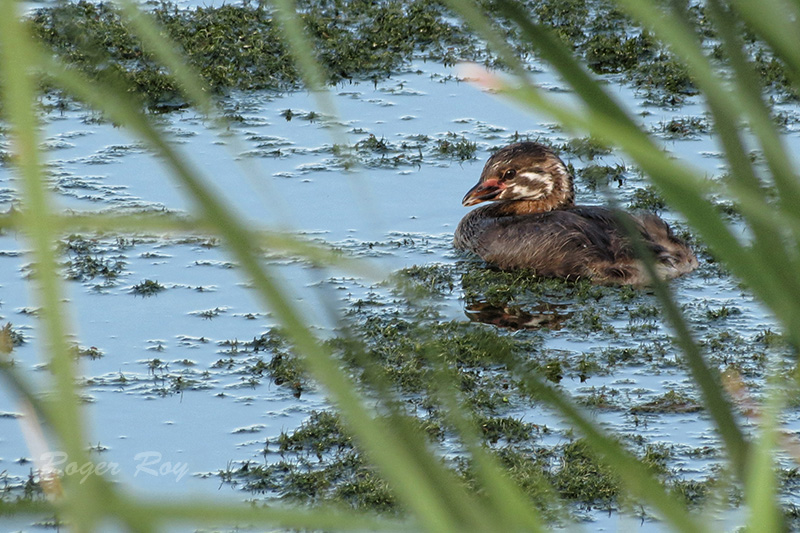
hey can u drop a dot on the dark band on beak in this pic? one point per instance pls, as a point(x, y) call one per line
point(483, 192)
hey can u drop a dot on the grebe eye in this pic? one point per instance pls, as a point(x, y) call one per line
point(510, 173)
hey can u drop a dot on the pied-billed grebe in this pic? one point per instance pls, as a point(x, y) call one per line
point(534, 223)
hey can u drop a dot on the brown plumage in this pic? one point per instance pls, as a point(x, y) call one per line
point(534, 223)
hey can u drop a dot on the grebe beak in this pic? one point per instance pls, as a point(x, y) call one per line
point(483, 192)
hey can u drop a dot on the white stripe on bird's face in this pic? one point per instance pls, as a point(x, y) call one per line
point(528, 185)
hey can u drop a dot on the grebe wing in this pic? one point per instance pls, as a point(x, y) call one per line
point(561, 243)
point(583, 241)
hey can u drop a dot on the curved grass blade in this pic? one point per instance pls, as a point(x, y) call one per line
point(782, 262)
point(674, 182)
point(472, 513)
point(681, 188)
point(153, 38)
point(304, 57)
point(512, 510)
point(421, 483)
point(24, 507)
point(605, 113)
point(302, 52)
point(746, 81)
point(778, 23)
point(314, 78)
point(400, 464)
point(636, 476)
point(706, 377)
point(591, 92)
point(272, 242)
point(761, 489)
point(293, 32)
point(63, 411)
point(150, 514)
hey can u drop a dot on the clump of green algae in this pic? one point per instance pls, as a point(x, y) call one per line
point(240, 46)
point(147, 287)
point(90, 259)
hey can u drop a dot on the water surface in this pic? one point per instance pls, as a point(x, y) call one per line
point(397, 208)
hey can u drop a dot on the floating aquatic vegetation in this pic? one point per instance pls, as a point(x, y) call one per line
point(147, 287)
point(240, 46)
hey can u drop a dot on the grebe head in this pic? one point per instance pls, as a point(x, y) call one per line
point(525, 171)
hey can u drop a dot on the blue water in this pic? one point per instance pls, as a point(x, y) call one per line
point(175, 443)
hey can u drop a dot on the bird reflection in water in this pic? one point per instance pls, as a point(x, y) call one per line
point(544, 315)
